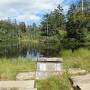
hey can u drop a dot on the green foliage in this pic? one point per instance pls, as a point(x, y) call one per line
point(80, 59)
point(72, 31)
point(51, 22)
point(22, 27)
point(85, 3)
point(52, 29)
point(7, 30)
point(12, 31)
point(10, 67)
point(54, 83)
point(75, 27)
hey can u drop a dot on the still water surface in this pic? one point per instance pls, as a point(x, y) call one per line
point(27, 50)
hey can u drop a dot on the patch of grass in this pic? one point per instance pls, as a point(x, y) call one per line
point(10, 67)
point(54, 83)
point(79, 59)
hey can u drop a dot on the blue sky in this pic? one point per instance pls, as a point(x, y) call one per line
point(30, 11)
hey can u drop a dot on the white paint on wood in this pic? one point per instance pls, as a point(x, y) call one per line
point(28, 89)
point(43, 67)
point(48, 66)
point(58, 67)
point(54, 59)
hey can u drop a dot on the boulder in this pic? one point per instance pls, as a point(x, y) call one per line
point(25, 76)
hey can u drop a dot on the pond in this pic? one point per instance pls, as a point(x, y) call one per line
point(28, 50)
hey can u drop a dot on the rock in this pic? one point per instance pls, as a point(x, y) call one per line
point(77, 71)
point(26, 76)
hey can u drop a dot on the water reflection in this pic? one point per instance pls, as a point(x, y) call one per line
point(27, 50)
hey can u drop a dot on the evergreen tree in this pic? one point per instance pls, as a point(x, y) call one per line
point(22, 27)
point(75, 27)
point(53, 22)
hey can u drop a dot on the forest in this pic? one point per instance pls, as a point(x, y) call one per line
point(67, 31)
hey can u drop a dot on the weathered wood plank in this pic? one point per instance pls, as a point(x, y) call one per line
point(18, 88)
point(84, 86)
point(17, 84)
point(82, 82)
point(28, 89)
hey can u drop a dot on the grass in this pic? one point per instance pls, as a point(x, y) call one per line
point(79, 59)
point(54, 83)
point(10, 67)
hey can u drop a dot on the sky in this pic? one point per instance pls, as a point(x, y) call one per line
point(30, 11)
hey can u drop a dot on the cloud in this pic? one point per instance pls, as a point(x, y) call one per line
point(28, 17)
point(27, 10)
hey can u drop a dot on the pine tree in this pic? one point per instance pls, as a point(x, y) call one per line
point(75, 27)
